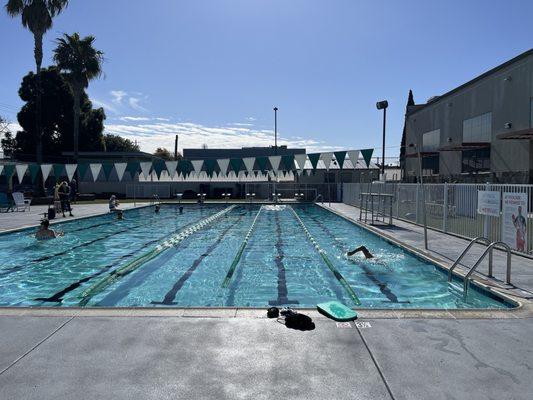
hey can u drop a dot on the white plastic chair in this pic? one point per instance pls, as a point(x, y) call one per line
point(21, 202)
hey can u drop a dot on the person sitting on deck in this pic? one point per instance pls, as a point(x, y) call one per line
point(45, 233)
point(365, 251)
point(113, 204)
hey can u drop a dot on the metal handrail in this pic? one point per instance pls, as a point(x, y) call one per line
point(318, 196)
point(479, 239)
point(489, 249)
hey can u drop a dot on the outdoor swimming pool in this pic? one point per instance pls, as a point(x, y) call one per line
point(210, 257)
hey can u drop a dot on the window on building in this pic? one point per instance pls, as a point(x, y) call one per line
point(478, 129)
point(431, 140)
point(476, 160)
point(430, 164)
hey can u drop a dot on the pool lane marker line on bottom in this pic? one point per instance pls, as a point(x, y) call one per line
point(237, 257)
point(382, 286)
point(141, 260)
point(171, 294)
point(58, 296)
point(330, 265)
point(282, 278)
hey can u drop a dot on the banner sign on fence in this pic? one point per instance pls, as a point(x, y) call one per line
point(514, 225)
point(488, 203)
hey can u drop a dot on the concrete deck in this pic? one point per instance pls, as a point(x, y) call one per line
point(239, 354)
point(256, 358)
point(32, 217)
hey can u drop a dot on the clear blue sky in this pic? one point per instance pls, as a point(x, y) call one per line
point(211, 71)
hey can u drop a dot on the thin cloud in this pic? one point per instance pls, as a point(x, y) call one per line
point(104, 105)
point(191, 135)
point(134, 103)
point(118, 96)
point(135, 119)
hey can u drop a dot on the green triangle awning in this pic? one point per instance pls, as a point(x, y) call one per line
point(184, 167)
point(82, 169)
point(107, 167)
point(314, 157)
point(287, 162)
point(367, 156)
point(34, 171)
point(133, 167)
point(210, 165)
point(158, 166)
point(236, 164)
point(9, 170)
point(262, 163)
point(340, 156)
point(58, 171)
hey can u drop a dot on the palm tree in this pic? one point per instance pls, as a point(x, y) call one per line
point(81, 63)
point(37, 16)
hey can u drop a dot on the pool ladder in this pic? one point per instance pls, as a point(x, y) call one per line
point(489, 251)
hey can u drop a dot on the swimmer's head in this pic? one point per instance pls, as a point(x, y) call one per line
point(45, 223)
point(157, 207)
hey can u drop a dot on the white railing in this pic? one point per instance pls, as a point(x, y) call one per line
point(450, 208)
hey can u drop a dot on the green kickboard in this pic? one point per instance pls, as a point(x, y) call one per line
point(336, 311)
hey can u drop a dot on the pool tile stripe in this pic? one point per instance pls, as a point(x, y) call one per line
point(383, 288)
point(282, 279)
point(58, 297)
point(143, 259)
point(171, 294)
point(332, 268)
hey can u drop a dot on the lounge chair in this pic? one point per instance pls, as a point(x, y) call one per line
point(5, 203)
point(21, 203)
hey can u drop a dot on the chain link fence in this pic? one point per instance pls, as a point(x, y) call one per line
point(450, 208)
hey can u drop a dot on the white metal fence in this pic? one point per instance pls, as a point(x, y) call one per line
point(450, 208)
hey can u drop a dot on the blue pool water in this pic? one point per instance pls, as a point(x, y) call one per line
point(171, 259)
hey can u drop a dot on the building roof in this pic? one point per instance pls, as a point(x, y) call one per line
point(113, 155)
point(436, 99)
point(202, 154)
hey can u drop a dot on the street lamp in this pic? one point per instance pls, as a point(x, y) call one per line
point(382, 105)
point(276, 130)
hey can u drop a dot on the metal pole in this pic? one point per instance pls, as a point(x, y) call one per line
point(383, 152)
point(276, 130)
point(423, 199)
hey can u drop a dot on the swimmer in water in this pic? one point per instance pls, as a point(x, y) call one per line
point(363, 249)
point(157, 208)
point(181, 210)
point(45, 233)
point(120, 214)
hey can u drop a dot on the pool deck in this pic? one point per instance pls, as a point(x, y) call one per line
point(240, 354)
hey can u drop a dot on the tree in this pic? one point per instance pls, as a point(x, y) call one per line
point(37, 16)
point(118, 143)
point(57, 118)
point(80, 62)
point(410, 102)
point(7, 141)
point(163, 153)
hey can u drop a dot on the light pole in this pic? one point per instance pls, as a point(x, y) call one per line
point(382, 105)
point(276, 130)
point(420, 179)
